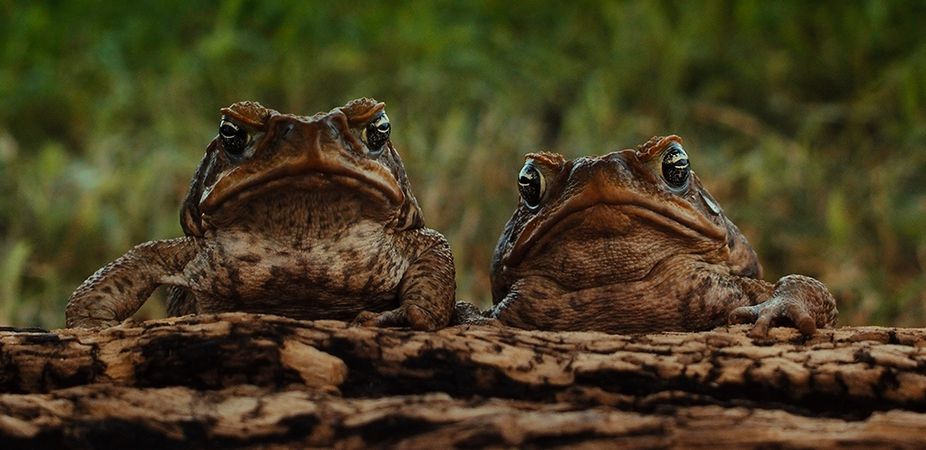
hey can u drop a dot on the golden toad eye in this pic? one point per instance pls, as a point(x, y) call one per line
point(376, 134)
point(531, 185)
point(675, 167)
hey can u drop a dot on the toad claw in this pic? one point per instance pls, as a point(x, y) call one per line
point(774, 311)
point(413, 316)
point(800, 300)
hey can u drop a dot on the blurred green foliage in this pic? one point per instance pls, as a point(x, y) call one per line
point(807, 120)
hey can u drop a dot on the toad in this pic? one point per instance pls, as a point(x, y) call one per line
point(305, 217)
point(632, 242)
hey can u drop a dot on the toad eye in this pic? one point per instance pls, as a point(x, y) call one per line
point(675, 167)
point(376, 134)
point(234, 138)
point(531, 185)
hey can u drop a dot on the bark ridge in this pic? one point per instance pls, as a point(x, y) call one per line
point(243, 380)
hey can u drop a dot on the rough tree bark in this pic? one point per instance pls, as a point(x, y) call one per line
point(239, 380)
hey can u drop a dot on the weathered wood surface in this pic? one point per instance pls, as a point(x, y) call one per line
point(105, 416)
point(247, 380)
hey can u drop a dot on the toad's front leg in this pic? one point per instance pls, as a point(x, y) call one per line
point(117, 290)
point(427, 292)
point(796, 299)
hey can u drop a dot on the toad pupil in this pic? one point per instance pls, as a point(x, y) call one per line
point(377, 134)
point(675, 167)
point(233, 138)
point(530, 185)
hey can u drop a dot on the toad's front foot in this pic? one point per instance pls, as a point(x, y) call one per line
point(469, 314)
point(412, 316)
point(800, 301)
point(117, 290)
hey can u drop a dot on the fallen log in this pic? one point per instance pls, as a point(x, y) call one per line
point(106, 416)
point(873, 368)
point(184, 378)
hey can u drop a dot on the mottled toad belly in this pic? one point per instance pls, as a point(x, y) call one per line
point(319, 280)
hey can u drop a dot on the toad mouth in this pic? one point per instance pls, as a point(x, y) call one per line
point(309, 174)
point(537, 234)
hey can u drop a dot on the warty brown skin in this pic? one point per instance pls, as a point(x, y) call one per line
point(306, 217)
point(610, 244)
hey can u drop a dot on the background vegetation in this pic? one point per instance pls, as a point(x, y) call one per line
point(807, 120)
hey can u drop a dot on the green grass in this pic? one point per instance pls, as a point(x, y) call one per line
point(806, 120)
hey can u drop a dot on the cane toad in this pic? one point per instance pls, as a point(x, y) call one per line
point(307, 217)
point(632, 242)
